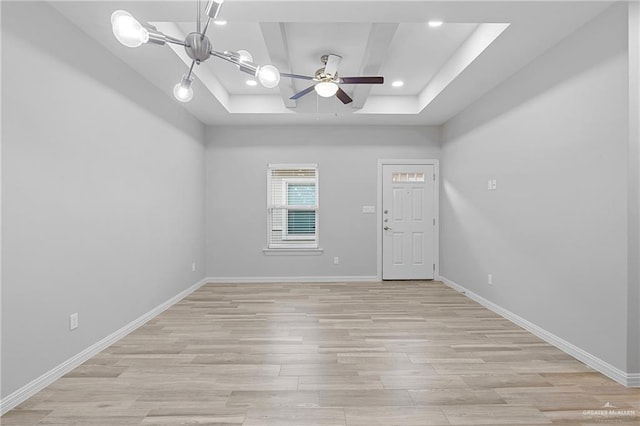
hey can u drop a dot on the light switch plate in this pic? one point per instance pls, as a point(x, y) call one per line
point(73, 321)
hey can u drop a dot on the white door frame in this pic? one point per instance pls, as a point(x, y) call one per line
point(436, 196)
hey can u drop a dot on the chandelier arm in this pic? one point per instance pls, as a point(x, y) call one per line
point(224, 56)
point(206, 27)
point(174, 40)
point(244, 66)
point(191, 69)
point(212, 11)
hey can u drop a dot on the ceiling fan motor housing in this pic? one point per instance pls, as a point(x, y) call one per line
point(320, 75)
point(197, 47)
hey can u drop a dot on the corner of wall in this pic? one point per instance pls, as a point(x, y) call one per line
point(633, 308)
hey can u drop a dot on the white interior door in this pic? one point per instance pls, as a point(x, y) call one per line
point(408, 222)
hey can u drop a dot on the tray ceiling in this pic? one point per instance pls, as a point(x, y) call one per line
point(444, 69)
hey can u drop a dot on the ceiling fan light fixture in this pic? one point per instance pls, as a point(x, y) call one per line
point(326, 89)
point(269, 76)
point(183, 90)
point(435, 23)
point(127, 29)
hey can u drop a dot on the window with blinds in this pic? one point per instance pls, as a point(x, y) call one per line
point(292, 203)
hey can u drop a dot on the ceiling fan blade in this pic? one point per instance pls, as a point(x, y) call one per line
point(302, 93)
point(342, 95)
point(333, 60)
point(301, 77)
point(362, 80)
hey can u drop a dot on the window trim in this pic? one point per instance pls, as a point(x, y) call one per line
point(292, 248)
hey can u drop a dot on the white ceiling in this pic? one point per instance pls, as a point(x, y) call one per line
point(444, 69)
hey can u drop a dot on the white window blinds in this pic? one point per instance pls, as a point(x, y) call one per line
point(292, 203)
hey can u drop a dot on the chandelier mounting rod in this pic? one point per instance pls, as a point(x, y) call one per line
point(198, 16)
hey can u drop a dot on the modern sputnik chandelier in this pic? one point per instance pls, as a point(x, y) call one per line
point(132, 33)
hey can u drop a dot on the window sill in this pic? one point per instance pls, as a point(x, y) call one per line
point(293, 251)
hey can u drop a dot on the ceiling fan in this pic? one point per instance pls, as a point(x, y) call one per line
point(327, 80)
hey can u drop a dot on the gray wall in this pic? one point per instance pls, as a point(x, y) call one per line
point(554, 234)
point(347, 157)
point(103, 193)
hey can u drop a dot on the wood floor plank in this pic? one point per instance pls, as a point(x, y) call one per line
point(390, 416)
point(406, 353)
point(413, 382)
point(24, 417)
point(328, 382)
point(365, 398)
point(295, 417)
point(462, 396)
point(487, 414)
point(274, 399)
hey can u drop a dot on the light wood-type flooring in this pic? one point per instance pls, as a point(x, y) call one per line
point(356, 354)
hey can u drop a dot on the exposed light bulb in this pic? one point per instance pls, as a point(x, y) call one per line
point(326, 89)
point(269, 76)
point(245, 56)
point(213, 8)
point(127, 29)
point(183, 90)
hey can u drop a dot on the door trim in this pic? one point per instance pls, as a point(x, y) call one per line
point(436, 204)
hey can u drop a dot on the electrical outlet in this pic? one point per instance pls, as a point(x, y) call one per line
point(490, 279)
point(193, 267)
point(336, 260)
point(494, 184)
point(489, 185)
point(73, 321)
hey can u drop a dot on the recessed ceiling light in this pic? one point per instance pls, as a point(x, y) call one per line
point(251, 83)
point(435, 24)
point(220, 22)
point(398, 83)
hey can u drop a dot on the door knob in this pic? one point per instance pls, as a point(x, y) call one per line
point(386, 228)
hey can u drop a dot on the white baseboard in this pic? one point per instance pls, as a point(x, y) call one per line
point(322, 279)
point(626, 379)
point(633, 380)
point(36, 385)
